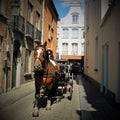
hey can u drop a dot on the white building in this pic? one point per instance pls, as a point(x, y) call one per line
point(70, 34)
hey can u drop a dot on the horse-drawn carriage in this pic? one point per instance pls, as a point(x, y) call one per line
point(51, 77)
point(65, 81)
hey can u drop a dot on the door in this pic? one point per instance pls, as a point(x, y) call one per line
point(16, 70)
point(104, 81)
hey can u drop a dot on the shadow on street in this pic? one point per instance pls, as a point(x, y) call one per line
point(98, 106)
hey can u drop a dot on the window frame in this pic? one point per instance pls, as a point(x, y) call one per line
point(64, 48)
point(65, 32)
point(74, 49)
point(75, 32)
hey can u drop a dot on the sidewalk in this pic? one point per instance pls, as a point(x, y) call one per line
point(16, 94)
point(93, 105)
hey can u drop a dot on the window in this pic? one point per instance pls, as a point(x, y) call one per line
point(74, 33)
point(49, 35)
point(37, 20)
point(28, 61)
point(30, 15)
point(65, 33)
point(74, 49)
point(64, 48)
point(75, 18)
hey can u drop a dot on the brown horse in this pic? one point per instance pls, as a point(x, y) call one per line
point(45, 74)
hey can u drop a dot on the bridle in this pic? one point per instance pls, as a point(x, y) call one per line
point(39, 58)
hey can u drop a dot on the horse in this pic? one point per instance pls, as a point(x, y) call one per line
point(45, 74)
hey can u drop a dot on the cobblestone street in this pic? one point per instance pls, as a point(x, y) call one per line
point(61, 110)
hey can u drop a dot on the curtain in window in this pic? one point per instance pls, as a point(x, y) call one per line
point(65, 48)
point(74, 48)
point(75, 18)
point(74, 33)
point(65, 33)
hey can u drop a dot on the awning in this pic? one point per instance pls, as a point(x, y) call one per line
point(71, 57)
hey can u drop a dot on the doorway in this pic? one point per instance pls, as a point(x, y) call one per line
point(16, 68)
point(105, 70)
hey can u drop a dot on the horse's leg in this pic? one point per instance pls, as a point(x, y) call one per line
point(37, 96)
point(48, 105)
point(35, 109)
point(50, 94)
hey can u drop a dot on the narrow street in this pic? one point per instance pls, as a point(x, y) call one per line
point(82, 36)
point(61, 110)
point(86, 104)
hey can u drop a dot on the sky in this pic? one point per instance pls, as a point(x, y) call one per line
point(62, 7)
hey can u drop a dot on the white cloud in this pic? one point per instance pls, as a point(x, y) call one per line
point(65, 3)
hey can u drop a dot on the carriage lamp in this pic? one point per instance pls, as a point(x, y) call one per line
point(15, 7)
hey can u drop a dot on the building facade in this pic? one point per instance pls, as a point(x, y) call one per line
point(70, 41)
point(50, 25)
point(3, 42)
point(102, 46)
point(22, 23)
point(22, 27)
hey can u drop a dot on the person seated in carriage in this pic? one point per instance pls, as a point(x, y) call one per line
point(49, 53)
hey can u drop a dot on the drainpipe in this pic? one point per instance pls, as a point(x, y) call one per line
point(43, 7)
point(86, 9)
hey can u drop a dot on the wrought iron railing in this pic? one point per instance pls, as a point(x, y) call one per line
point(19, 23)
point(29, 30)
point(37, 35)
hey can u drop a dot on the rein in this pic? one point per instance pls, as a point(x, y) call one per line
point(48, 75)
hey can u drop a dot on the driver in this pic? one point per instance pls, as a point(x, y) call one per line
point(51, 58)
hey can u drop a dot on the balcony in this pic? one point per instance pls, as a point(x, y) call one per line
point(37, 35)
point(29, 30)
point(19, 24)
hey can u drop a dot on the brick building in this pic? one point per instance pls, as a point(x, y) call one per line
point(22, 24)
point(50, 25)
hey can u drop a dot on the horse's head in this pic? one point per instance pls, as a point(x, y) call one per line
point(39, 56)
